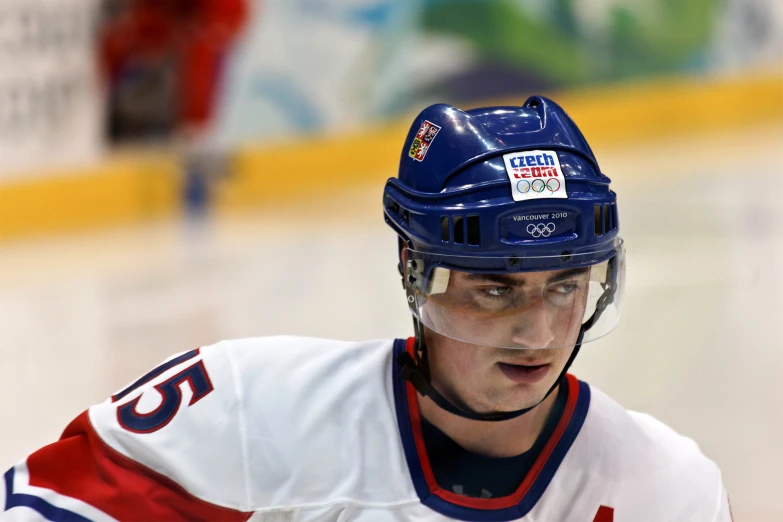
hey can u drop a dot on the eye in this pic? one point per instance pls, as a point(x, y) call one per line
point(565, 288)
point(497, 291)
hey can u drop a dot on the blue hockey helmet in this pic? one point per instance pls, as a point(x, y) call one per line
point(503, 209)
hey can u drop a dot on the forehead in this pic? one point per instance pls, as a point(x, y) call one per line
point(518, 278)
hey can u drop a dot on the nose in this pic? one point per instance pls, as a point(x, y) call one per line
point(532, 328)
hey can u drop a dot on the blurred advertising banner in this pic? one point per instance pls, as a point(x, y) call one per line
point(330, 65)
point(223, 72)
point(751, 33)
point(313, 65)
point(50, 98)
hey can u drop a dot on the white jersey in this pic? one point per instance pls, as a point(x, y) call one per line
point(295, 429)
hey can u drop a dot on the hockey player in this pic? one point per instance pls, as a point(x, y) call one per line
point(511, 261)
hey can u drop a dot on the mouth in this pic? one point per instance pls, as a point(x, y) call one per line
point(525, 373)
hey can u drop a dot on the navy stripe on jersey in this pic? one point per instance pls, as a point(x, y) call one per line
point(154, 373)
point(404, 425)
point(453, 510)
point(48, 511)
point(554, 461)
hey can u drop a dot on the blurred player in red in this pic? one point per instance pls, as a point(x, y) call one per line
point(163, 61)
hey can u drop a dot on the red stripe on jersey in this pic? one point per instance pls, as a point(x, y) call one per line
point(483, 503)
point(605, 514)
point(81, 466)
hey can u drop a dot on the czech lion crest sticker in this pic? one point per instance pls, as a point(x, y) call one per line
point(423, 140)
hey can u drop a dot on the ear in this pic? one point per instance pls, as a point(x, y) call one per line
point(402, 248)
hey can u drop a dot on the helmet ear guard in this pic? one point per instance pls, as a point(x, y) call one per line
point(412, 281)
point(414, 276)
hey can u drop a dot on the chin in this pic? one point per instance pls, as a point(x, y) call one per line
point(518, 398)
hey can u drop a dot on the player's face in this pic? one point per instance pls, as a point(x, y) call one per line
point(545, 329)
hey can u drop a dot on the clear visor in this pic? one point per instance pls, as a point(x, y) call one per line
point(576, 301)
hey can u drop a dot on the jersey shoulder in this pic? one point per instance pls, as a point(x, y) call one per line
point(639, 432)
point(209, 419)
point(647, 466)
point(322, 423)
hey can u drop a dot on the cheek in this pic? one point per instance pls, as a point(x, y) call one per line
point(568, 325)
point(562, 356)
point(464, 360)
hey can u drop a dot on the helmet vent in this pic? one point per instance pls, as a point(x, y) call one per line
point(392, 206)
point(614, 216)
point(459, 231)
point(604, 218)
point(444, 228)
point(474, 231)
point(610, 217)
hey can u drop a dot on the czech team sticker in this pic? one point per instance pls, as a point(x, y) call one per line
point(423, 140)
point(535, 174)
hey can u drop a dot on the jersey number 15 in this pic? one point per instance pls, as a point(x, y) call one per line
point(195, 376)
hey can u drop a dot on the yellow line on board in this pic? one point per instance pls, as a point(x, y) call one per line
point(309, 167)
point(627, 113)
point(140, 186)
point(118, 190)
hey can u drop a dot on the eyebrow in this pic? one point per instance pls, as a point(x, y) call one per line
point(510, 281)
point(568, 274)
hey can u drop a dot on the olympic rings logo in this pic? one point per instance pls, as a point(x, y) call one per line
point(541, 230)
point(538, 186)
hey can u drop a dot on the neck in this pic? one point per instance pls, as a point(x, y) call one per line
point(492, 439)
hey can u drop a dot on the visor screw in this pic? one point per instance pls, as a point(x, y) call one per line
point(411, 279)
point(513, 261)
point(413, 265)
